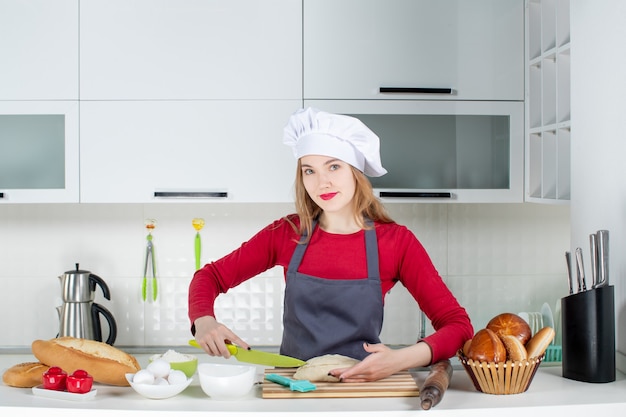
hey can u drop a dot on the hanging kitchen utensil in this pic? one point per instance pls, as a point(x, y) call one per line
point(198, 224)
point(150, 261)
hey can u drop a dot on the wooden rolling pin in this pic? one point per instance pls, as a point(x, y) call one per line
point(435, 384)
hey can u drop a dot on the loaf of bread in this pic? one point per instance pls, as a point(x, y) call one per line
point(510, 324)
point(486, 346)
point(107, 364)
point(25, 375)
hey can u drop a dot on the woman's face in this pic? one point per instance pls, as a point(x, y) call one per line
point(329, 182)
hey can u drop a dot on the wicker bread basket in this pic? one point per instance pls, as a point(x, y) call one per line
point(501, 378)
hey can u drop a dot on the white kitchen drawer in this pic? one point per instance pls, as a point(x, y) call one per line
point(131, 150)
point(352, 48)
point(196, 49)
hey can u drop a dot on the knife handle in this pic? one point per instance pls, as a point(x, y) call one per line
point(231, 348)
point(603, 257)
point(570, 281)
point(580, 270)
point(593, 244)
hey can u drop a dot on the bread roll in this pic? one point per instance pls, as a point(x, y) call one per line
point(107, 364)
point(25, 375)
point(486, 346)
point(466, 346)
point(509, 323)
point(538, 344)
point(515, 351)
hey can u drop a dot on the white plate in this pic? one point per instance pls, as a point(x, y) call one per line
point(548, 317)
point(63, 395)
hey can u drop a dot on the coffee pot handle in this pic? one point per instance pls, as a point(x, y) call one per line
point(96, 311)
point(96, 280)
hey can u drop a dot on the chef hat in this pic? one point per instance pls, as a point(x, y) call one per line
point(314, 132)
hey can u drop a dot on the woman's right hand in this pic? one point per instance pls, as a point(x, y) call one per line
point(213, 336)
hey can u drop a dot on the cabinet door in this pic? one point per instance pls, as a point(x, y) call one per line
point(352, 48)
point(38, 50)
point(444, 152)
point(196, 49)
point(147, 151)
point(38, 151)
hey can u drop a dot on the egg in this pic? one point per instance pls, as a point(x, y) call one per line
point(160, 381)
point(176, 377)
point(143, 376)
point(160, 368)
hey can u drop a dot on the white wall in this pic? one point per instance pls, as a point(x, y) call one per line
point(598, 65)
point(494, 257)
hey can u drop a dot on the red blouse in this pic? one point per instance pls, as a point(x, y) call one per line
point(335, 256)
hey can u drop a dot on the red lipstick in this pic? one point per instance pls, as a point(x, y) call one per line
point(327, 196)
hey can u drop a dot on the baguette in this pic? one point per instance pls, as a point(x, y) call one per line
point(25, 375)
point(105, 363)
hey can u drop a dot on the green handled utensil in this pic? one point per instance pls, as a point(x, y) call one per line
point(259, 357)
point(198, 224)
point(150, 225)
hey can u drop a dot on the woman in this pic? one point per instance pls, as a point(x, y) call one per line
point(341, 253)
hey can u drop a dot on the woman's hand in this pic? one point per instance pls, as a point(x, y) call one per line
point(213, 336)
point(383, 362)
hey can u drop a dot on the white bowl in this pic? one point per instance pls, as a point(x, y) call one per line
point(224, 382)
point(157, 392)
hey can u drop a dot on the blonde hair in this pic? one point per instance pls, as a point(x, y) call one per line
point(364, 204)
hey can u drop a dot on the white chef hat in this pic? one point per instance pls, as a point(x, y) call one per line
point(314, 132)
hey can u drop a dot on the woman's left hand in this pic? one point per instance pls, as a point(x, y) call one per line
point(383, 362)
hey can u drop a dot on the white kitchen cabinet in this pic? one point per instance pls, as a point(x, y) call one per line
point(196, 49)
point(39, 152)
point(185, 151)
point(548, 124)
point(444, 151)
point(38, 50)
point(353, 48)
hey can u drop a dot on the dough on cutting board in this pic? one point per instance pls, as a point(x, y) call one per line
point(316, 369)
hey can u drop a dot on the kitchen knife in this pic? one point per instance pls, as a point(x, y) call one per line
point(570, 278)
point(603, 258)
point(593, 243)
point(580, 270)
point(259, 357)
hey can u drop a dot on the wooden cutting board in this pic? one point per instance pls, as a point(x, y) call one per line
point(401, 384)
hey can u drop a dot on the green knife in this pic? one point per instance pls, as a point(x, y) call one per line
point(259, 357)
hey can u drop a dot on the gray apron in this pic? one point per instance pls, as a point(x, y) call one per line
point(326, 316)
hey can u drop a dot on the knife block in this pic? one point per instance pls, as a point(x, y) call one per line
point(588, 339)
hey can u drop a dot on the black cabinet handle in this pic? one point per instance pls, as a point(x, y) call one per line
point(191, 194)
point(415, 194)
point(1, 195)
point(415, 90)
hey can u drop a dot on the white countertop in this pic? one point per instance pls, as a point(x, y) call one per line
point(549, 392)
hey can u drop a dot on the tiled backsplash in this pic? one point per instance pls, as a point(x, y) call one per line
point(494, 257)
